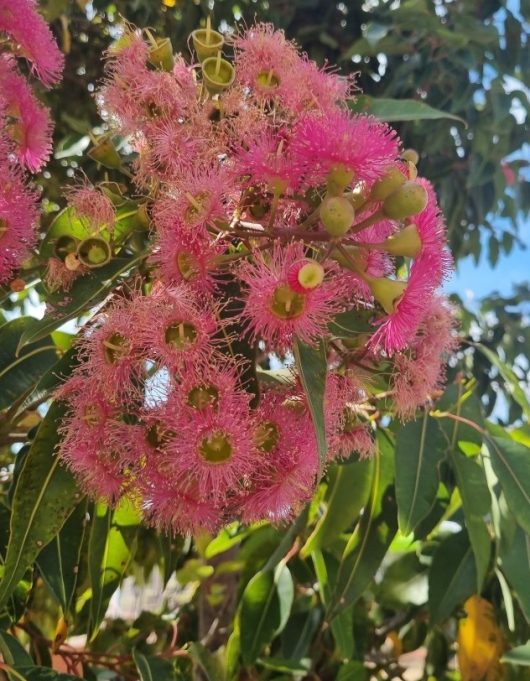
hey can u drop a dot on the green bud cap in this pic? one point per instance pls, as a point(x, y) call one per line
point(411, 155)
point(94, 252)
point(311, 275)
point(410, 199)
point(104, 152)
point(161, 56)
point(217, 74)
point(339, 178)
point(337, 215)
point(206, 43)
point(391, 180)
point(216, 448)
point(387, 292)
point(406, 243)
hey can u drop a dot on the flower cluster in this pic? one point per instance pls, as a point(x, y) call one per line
point(25, 140)
point(278, 219)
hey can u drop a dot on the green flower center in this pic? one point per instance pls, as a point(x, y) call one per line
point(267, 79)
point(187, 265)
point(115, 347)
point(181, 335)
point(92, 415)
point(203, 396)
point(267, 436)
point(286, 303)
point(216, 448)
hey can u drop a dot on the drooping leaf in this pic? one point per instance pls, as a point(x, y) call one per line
point(44, 497)
point(353, 671)
point(19, 372)
point(312, 367)
point(511, 463)
point(476, 501)
point(151, 668)
point(371, 538)
point(452, 577)
point(110, 550)
point(512, 381)
point(58, 562)
point(86, 292)
point(393, 110)
point(13, 651)
point(514, 555)
point(480, 641)
point(264, 610)
point(420, 447)
point(347, 493)
point(520, 655)
point(326, 569)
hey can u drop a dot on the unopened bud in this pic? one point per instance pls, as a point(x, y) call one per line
point(406, 243)
point(387, 292)
point(391, 180)
point(337, 215)
point(410, 199)
point(339, 178)
point(411, 155)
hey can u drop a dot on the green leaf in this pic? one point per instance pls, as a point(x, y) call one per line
point(512, 381)
point(206, 661)
point(151, 668)
point(110, 549)
point(312, 367)
point(264, 610)
point(400, 109)
point(353, 671)
point(13, 652)
point(420, 447)
point(280, 664)
point(373, 535)
point(519, 655)
point(347, 324)
point(44, 497)
point(86, 292)
point(19, 372)
point(342, 625)
point(514, 556)
point(58, 562)
point(476, 500)
point(452, 577)
point(347, 493)
point(511, 462)
point(33, 673)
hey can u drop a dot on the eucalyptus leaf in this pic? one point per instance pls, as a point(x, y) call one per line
point(394, 110)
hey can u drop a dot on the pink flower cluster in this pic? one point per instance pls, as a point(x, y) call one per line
point(277, 217)
point(25, 140)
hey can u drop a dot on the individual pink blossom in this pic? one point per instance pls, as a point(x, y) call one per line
point(274, 311)
point(93, 207)
point(32, 39)
point(268, 162)
point(285, 479)
point(27, 123)
point(418, 370)
point(173, 330)
point(336, 139)
point(263, 58)
point(309, 88)
point(215, 448)
point(347, 430)
point(58, 276)
point(18, 217)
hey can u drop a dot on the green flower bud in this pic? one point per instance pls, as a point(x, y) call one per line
point(391, 180)
point(406, 243)
point(337, 215)
point(410, 199)
point(411, 155)
point(387, 292)
point(339, 178)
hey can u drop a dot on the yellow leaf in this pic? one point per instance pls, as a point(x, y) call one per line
point(480, 642)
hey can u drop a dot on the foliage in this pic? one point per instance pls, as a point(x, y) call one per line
point(425, 547)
